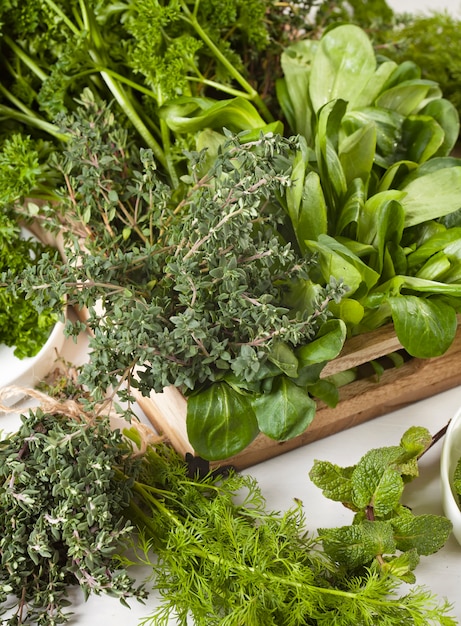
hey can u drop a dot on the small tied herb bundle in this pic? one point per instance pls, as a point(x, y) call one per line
point(61, 510)
point(73, 492)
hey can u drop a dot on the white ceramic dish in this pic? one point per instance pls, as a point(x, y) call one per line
point(29, 371)
point(451, 453)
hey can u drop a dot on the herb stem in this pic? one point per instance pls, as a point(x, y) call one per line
point(24, 57)
point(33, 120)
point(254, 96)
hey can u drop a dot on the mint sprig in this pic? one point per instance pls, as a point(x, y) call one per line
point(384, 531)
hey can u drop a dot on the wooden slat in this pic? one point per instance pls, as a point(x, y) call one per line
point(363, 349)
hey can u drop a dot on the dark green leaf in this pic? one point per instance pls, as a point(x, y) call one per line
point(424, 533)
point(425, 327)
point(284, 412)
point(220, 422)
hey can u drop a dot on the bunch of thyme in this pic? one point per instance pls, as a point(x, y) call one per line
point(192, 285)
point(61, 514)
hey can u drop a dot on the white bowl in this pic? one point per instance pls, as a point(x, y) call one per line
point(29, 371)
point(451, 453)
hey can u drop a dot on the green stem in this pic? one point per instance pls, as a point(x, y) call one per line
point(253, 94)
point(118, 91)
point(25, 58)
point(211, 83)
point(32, 120)
point(70, 25)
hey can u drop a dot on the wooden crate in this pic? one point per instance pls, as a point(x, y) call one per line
point(361, 400)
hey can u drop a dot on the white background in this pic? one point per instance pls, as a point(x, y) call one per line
point(426, 6)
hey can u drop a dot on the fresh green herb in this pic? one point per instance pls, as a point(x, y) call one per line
point(61, 504)
point(75, 489)
point(384, 530)
point(198, 294)
point(22, 324)
point(143, 55)
point(228, 561)
point(386, 194)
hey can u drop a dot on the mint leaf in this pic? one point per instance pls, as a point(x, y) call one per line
point(416, 439)
point(334, 481)
point(424, 533)
point(358, 544)
point(402, 566)
point(375, 482)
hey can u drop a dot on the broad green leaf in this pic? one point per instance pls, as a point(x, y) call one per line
point(327, 345)
point(404, 72)
point(395, 175)
point(424, 533)
point(446, 114)
point(423, 136)
point(309, 375)
point(220, 422)
point(335, 265)
point(376, 205)
point(285, 412)
point(326, 148)
point(349, 310)
point(348, 214)
point(431, 196)
point(425, 327)
point(294, 192)
point(388, 131)
point(312, 217)
point(375, 482)
point(438, 242)
point(358, 544)
point(343, 65)
point(296, 63)
point(189, 115)
point(381, 223)
point(375, 84)
point(407, 97)
point(396, 284)
point(325, 390)
point(435, 268)
point(333, 480)
point(336, 260)
point(357, 153)
point(284, 358)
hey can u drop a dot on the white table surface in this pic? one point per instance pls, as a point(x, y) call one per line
point(286, 477)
